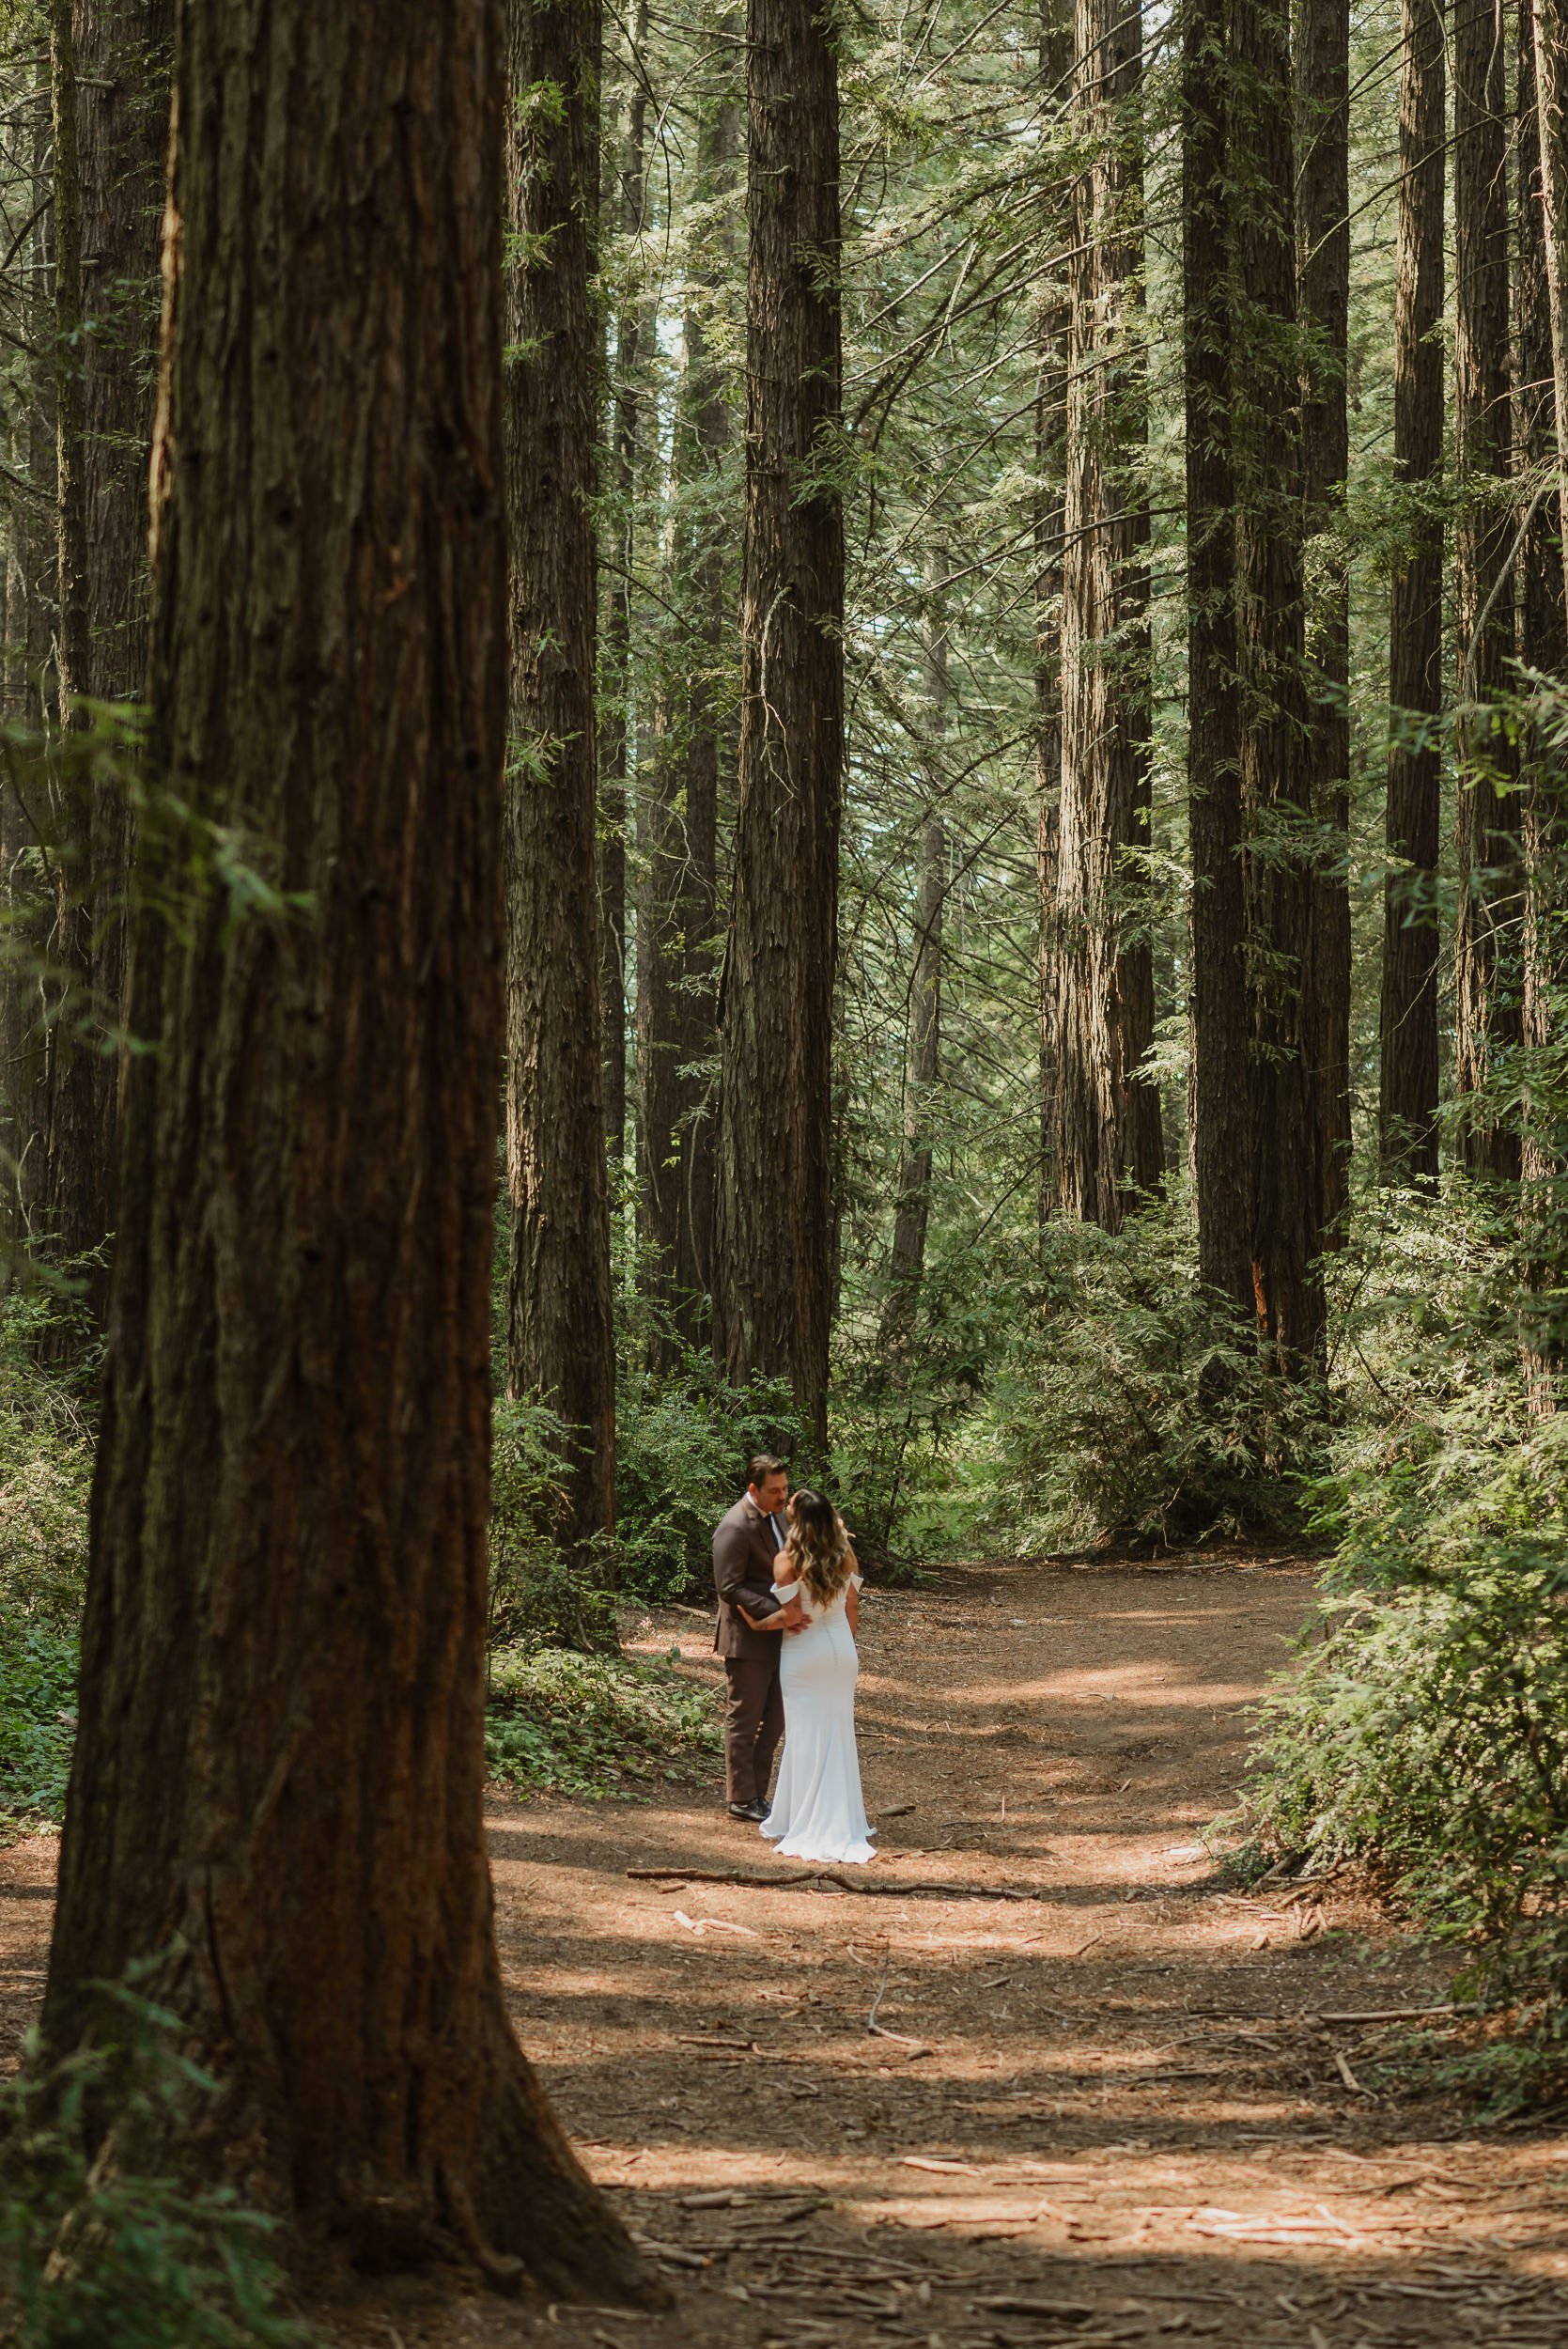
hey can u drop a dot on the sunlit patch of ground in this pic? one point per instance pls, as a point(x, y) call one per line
point(1130, 2106)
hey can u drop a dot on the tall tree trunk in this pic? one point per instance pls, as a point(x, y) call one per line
point(922, 1059)
point(124, 57)
point(1551, 83)
point(1221, 1149)
point(1108, 1135)
point(1543, 611)
point(560, 1336)
point(78, 1199)
point(1486, 945)
point(1322, 248)
point(775, 1193)
point(677, 964)
point(1282, 863)
point(626, 414)
point(304, 1269)
point(1051, 424)
point(1407, 1026)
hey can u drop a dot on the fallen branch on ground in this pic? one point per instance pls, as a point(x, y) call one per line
point(830, 1875)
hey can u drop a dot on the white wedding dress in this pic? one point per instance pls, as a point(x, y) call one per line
point(818, 1812)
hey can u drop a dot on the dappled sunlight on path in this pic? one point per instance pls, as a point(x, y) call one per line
point(1128, 2104)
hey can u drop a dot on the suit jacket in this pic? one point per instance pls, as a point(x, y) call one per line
point(744, 1549)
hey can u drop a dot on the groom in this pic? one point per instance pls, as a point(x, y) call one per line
point(745, 1545)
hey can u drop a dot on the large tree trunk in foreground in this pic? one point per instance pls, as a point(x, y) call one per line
point(1108, 1133)
point(1283, 864)
point(1487, 937)
point(279, 1775)
point(775, 1273)
point(1222, 1153)
point(1407, 1025)
point(1322, 248)
point(560, 1335)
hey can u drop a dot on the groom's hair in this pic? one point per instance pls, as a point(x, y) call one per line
point(762, 1465)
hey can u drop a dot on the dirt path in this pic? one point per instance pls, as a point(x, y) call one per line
point(1125, 2109)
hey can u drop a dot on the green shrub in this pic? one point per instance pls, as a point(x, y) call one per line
point(586, 1724)
point(683, 1438)
point(536, 1595)
point(101, 2244)
point(37, 1721)
point(1136, 1410)
point(1426, 1733)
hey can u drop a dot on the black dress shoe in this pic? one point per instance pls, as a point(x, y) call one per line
point(757, 1811)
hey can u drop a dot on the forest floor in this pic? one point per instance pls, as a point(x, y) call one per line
point(1133, 2105)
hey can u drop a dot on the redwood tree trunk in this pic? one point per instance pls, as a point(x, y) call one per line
point(1407, 1025)
point(77, 1208)
point(1543, 648)
point(123, 62)
point(774, 1280)
point(1282, 861)
point(1323, 247)
point(1050, 417)
point(1551, 81)
point(1108, 1133)
point(677, 963)
point(289, 1509)
point(626, 420)
point(560, 1338)
point(1487, 940)
point(1221, 1156)
point(923, 1058)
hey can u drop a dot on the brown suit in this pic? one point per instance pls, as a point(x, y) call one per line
point(745, 1545)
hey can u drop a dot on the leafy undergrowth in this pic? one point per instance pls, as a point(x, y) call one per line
point(37, 1724)
point(593, 1725)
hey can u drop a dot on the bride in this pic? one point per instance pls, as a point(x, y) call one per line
point(818, 1812)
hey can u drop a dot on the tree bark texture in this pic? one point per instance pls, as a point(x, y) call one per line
point(78, 1205)
point(289, 1509)
point(678, 923)
point(559, 1332)
point(1543, 617)
point(1282, 863)
point(922, 1056)
point(1407, 1026)
point(1222, 1148)
point(124, 57)
point(1487, 940)
point(775, 1191)
point(1109, 1146)
point(633, 329)
point(1051, 419)
point(1551, 85)
point(1323, 249)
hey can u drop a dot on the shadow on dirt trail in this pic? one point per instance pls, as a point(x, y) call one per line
point(1132, 2105)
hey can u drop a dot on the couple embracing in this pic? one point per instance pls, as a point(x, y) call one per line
point(788, 1609)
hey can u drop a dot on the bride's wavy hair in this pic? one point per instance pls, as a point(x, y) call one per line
point(818, 1547)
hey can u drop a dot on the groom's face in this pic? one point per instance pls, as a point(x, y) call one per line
point(772, 1495)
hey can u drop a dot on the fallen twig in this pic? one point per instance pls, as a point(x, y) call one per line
point(699, 1925)
point(917, 2047)
point(1348, 2076)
